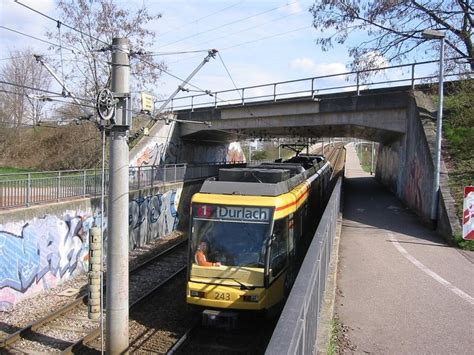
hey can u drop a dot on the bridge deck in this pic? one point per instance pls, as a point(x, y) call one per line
point(401, 289)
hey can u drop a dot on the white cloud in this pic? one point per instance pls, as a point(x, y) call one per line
point(375, 59)
point(308, 66)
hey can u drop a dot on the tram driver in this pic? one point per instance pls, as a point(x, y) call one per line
point(200, 257)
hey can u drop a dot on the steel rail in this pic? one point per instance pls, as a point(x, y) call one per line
point(184, 339)
point(96, 333)
point(33, 326)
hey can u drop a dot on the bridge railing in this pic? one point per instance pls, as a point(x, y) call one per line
point(25, 189)
point(296, 330)
point(389, 76)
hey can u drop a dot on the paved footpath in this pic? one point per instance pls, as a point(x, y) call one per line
point(401, 289)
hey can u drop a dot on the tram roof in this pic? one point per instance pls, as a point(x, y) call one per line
point(257, 188)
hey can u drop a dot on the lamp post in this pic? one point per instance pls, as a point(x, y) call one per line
point(433, 34)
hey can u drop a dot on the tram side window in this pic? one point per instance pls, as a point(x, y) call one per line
point(279, 248)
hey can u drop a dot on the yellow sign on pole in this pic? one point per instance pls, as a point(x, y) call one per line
point(147, 103)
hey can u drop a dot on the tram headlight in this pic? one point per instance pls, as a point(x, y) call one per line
point(250, 298)
point(197, 294)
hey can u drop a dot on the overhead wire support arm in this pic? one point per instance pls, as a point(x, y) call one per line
point(211, 54)
point(66, 92)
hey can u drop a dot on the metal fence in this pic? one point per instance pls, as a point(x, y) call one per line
point(25, 189)
point(411, 74)
point(296, 330)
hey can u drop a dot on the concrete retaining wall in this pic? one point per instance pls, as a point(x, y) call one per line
point(43, 246)
point(406, 167)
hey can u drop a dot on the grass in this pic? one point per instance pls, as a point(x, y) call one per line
point(11, 170)
point(332, 347)
point(458, 131)
point(365, 156)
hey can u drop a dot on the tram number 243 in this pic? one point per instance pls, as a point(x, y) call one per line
point(222, 296)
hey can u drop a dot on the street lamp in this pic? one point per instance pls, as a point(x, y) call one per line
point(433, 34)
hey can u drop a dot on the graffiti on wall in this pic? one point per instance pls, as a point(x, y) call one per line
point(44, 252)
point(151, 155)
point(225, 152)
point(152, 217)
point(235, 153)
point(413, 190)
point(41, 254)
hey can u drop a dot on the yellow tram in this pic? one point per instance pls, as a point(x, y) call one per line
point(249, 232)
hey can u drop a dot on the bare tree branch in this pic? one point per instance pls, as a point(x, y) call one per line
point(394, 27)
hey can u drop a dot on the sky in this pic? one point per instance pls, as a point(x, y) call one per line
point(259, 41)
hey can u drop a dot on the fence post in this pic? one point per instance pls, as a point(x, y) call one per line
point(358, 90)
point(152, 175)
point(413, 76)
point(192, 103)
point(312, 88)
point(243, 96)
point(274, 92)
point(95, 181)
point(139, 173)
point(28, 190)
point(58, 186)
point(215, 99)
point(84, 185)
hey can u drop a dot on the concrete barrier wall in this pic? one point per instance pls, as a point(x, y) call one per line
point(43, 246)
point(406, 167)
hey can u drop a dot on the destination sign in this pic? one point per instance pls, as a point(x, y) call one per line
point(244, 213)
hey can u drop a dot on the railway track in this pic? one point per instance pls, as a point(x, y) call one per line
point(68, 329)
point(250, 336)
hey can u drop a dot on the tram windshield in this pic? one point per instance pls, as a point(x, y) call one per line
point(230, 243)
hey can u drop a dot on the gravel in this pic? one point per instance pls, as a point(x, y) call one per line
point(39, 306)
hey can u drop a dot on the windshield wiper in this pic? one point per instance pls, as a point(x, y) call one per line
point(242, 285)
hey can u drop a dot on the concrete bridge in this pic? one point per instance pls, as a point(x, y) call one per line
point(376, 115)
point(400, 119)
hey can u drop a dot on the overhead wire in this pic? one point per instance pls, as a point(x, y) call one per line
point(267, 37)
point(27, 125)
point(61, 50)
point(250, 42)
point(38, 89)
point(202, 18)
point(227, 24)
point(233, 82)
point(176, 53)
point(250, 28)
point(58, 21)
point(32, 37)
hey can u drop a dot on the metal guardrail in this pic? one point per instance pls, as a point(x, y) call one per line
point(25, 189)
point(296, 330)
point(403, 75)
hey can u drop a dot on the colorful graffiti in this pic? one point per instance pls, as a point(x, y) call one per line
point(235, 153)
point(42, 255)
point(44, 252)
point(152, 217)
point(152, 153)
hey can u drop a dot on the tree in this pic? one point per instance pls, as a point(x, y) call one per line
point(21, 104)
point(96, 22)
point(394, 27)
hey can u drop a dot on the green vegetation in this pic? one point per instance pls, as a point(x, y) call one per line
point(10, 170)
point(17, 173)
point(458, 129)
point(332, 347)
point(364, 152)
point(267, 151)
